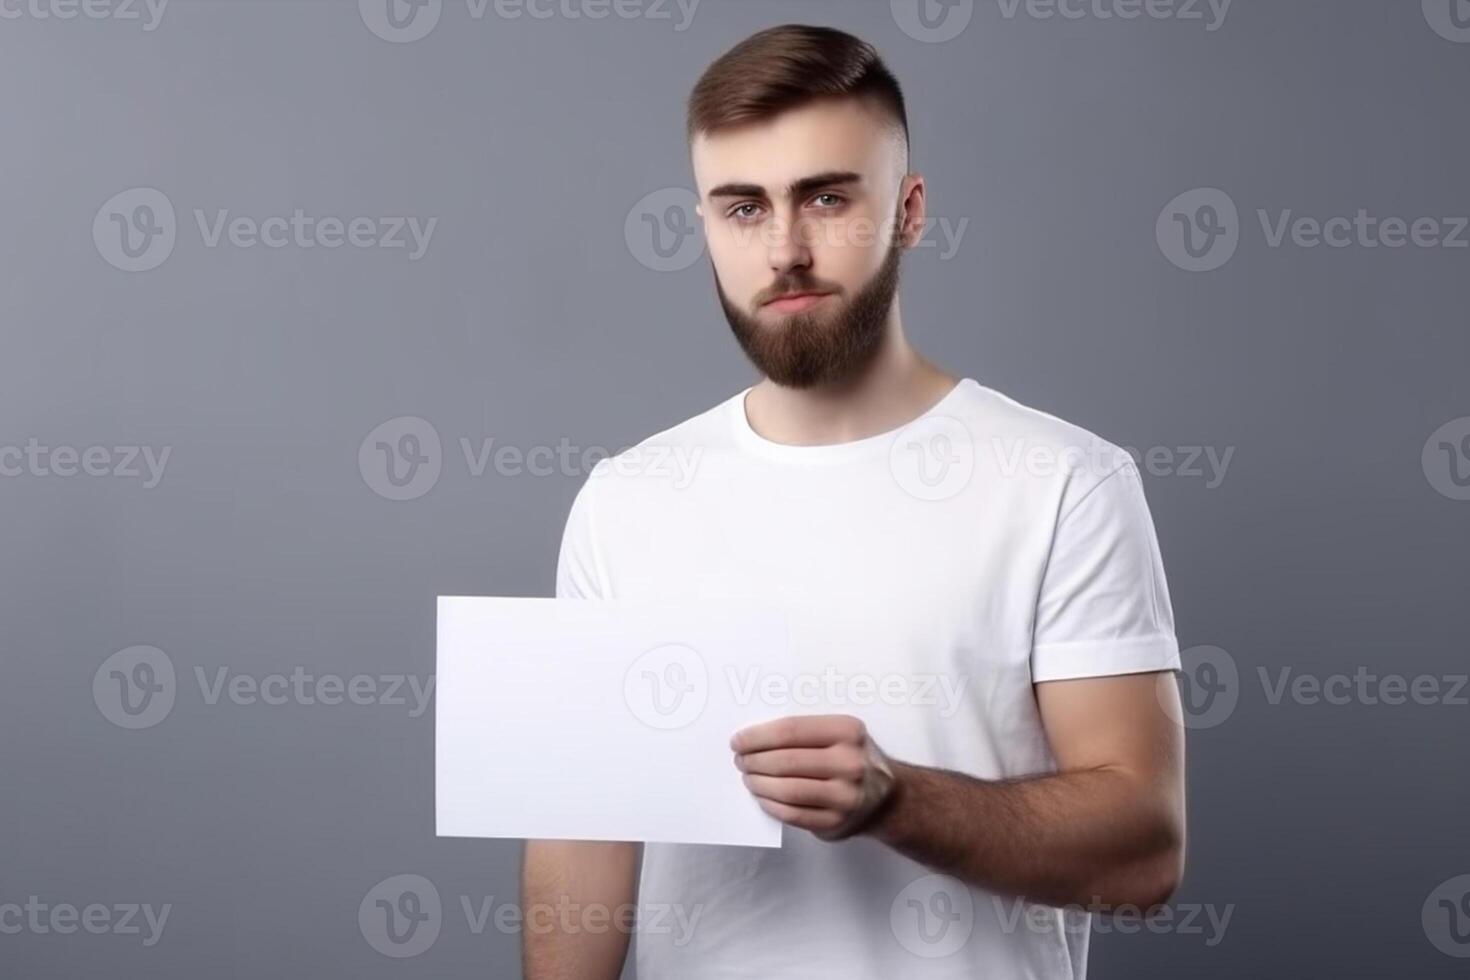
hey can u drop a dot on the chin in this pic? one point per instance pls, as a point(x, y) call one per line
point(764, 315)
point(770, 318)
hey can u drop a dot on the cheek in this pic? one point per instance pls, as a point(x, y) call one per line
point(743, 247)
point(851, 247)
point(850, 266)
point(740, 268)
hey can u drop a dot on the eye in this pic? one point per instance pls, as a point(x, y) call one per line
point(836, 199)
point(739, 212)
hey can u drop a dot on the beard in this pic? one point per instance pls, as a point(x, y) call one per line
point(816, 347)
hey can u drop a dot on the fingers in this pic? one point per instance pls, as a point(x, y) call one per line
point(799, 731)
point(838, 762)
point(796, 791)
point(818, 772)
point(818, 821)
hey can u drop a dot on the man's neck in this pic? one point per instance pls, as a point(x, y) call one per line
point(896, 388)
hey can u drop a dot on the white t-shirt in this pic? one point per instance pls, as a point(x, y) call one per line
point(931, 575)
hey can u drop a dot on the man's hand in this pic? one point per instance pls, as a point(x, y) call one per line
point(822, 773)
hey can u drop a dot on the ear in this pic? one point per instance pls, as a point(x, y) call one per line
point(912, 210)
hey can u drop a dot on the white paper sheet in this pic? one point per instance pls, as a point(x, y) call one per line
point(586, 719)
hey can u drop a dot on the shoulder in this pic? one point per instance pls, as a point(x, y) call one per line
point(1004, 424)
point(1054, 458)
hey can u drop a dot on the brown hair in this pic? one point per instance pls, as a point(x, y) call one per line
point(783, 67)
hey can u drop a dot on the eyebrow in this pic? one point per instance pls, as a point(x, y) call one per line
point(796, 188)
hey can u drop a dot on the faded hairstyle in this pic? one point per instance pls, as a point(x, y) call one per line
point(784, 67)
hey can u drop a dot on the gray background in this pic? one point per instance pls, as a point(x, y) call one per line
point(530, 319)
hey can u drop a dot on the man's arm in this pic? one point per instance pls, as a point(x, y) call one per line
point(578, 898)
point(1105, 830)
point(579, 906)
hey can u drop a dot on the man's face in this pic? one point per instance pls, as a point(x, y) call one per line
point(804, 206)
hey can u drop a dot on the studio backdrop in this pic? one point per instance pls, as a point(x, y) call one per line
point(314, 310)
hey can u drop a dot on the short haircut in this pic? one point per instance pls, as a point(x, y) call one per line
point(784, 67)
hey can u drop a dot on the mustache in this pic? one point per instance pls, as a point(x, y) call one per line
point(793, 283)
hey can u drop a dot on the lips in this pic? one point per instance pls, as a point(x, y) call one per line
point(792, 303)
point(793, 296)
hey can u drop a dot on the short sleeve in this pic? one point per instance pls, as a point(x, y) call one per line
point(1103, 606)
point(578, 568)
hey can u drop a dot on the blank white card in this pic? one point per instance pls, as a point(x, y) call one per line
point(582, 719)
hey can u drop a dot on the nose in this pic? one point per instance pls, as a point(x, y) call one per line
point(788, 248)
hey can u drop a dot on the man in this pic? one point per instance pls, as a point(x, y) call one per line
point(924, 533)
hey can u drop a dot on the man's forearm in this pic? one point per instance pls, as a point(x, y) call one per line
point(565, 885)
point(1091, 837)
